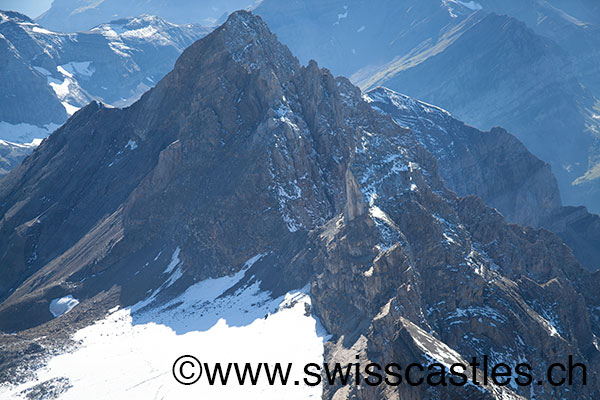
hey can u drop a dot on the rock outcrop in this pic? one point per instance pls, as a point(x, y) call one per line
point(496, 167)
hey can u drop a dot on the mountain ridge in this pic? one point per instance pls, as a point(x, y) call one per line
point(496, 167)
point(77, 15)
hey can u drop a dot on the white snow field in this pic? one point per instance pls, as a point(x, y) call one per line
point(130, 353)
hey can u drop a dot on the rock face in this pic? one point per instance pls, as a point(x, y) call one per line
point(50, 75)
point(530, 68)
point(493, 165)
point(496, 167)
point(579, 229)
point(241, 151)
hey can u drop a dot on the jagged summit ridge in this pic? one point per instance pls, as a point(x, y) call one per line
point(248, 41)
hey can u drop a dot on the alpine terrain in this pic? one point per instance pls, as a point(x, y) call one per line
point(496, 167)
point(530, 66)
point(47, 76)
point(252, 209)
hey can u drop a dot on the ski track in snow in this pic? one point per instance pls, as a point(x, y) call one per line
point(130, 353)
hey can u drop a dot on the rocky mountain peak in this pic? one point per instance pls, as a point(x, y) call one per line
point(248, 41)
point(237, 125)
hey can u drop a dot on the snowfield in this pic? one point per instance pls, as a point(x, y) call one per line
point(130, 353)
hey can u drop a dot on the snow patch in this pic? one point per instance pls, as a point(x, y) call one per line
point(69, 108)
point(142, 33)
point(342, 16)
point(472, 5)
point(82, 68)
point(174, 261)
point(64, 71)
point(131, 145)
point(60, 88)
point(62, 305)
point(376, 212)
point(37, 29)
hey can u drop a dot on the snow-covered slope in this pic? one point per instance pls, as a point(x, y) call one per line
point(211, 320)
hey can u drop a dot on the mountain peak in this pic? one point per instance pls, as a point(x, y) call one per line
point(245, 17)
point(246, 35)
point(14, 15)
point(141, 20)
point(245, 25)
point(244, 39)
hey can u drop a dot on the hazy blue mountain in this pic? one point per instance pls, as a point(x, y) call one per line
point(47, 76)
point(573, 24)
point(77, 15)
point(346, 36)
point(497, 167)
point(496, 71)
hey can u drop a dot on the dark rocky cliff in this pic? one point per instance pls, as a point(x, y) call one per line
point(497, 167)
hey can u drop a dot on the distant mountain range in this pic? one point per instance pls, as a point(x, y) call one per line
point(80, 15)
point(47, 76)
point(11, 154)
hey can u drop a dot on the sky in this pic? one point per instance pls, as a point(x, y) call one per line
point(31, 8)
